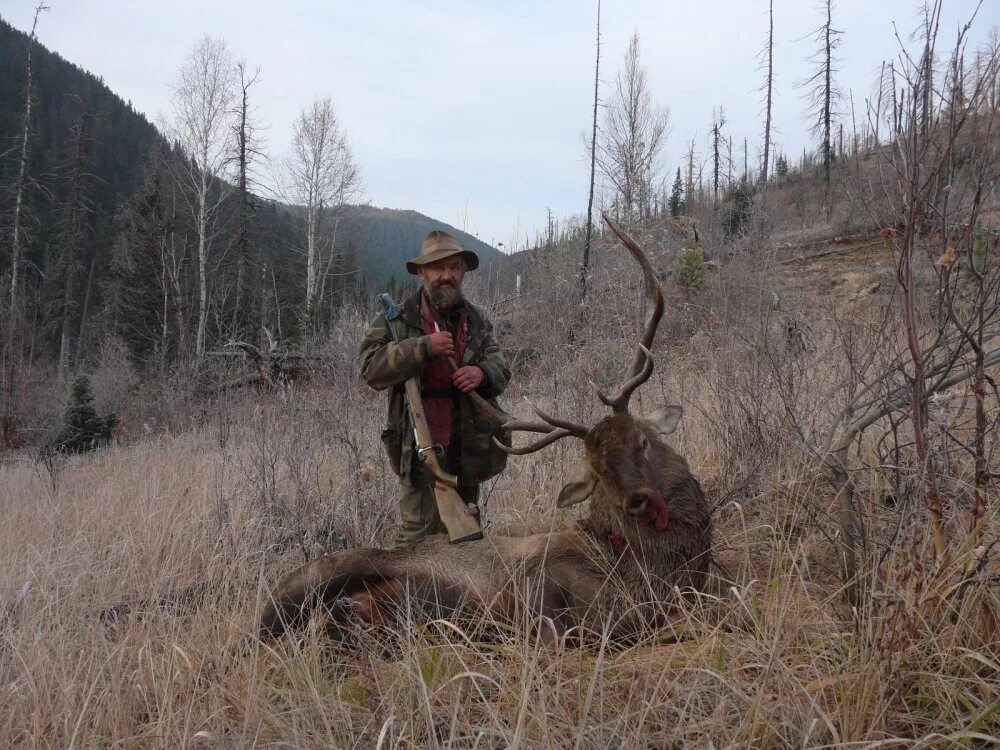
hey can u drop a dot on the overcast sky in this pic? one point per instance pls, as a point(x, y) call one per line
point(472, 112)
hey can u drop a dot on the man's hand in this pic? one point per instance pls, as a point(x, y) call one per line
point(442, 344)
point(468, 378)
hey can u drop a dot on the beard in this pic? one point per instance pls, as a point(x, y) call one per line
point(444, 295)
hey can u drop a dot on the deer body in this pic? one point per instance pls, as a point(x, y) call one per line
point(577, 577)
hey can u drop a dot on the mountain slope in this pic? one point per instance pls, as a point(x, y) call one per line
point(385, 238)
point(119, 140)
point(118, 137)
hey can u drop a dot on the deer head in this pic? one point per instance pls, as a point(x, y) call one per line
point(624, 453)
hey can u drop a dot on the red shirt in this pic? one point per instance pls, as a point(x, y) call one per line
point(439, 390)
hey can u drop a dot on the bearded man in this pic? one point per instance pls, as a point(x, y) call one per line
point(435, 324)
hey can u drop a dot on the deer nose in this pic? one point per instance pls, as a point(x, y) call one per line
point(638, 501)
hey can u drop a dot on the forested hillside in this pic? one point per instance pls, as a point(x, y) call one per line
point(386, 238)
point(109, 242)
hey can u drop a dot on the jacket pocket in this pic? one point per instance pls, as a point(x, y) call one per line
point(488, 458)
point(392, 439)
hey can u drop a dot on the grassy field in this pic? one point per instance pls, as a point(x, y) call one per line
point(190, 527)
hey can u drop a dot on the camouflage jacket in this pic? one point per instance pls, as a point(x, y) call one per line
point(386, 363)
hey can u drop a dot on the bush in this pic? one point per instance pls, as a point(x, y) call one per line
point(738, 212)
point(691, 272)
point(83, 430)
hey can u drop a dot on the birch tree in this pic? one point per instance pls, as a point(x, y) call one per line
point(202, 108)
point(321, 174)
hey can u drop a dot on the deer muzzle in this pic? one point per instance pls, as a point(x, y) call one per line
point(647, 505)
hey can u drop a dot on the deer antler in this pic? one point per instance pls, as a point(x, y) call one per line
point(553, 428)
point(556, 428)
point(620, 402)
point(642, 364)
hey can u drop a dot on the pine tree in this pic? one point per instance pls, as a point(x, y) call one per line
point(676, 201)
point(781, 166)
point(83, 430)
point(140, 289)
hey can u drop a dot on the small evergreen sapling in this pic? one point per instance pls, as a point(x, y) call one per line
point(83, 429)
point(690, 270)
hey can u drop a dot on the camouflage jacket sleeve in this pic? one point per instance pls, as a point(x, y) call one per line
point(384, 362)
point(492, 362)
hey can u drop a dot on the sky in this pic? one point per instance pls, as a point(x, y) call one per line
point(475, 112)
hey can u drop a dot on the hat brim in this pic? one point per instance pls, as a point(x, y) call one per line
point(471, 259)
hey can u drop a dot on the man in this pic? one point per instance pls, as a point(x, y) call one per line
point(436, 324)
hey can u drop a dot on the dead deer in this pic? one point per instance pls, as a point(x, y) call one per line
point(648, 531)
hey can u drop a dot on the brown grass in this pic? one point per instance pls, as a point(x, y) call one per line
point(769, 657)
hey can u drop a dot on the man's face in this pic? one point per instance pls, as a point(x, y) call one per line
point(443, 281)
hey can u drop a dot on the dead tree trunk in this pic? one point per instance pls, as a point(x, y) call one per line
point(20, 186)
point(593, 164)
point(241, 209)
point(770, 89)
point(246, 150)
point(717, 122)
point(827, 108)
point(72, 236)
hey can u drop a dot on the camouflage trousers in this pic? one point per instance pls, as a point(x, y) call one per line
point(417, 508)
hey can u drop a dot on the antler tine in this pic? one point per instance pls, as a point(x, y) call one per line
point(553, 428)
point(573, 428)
point(654, 312)
point(523, 425)
point(554, 434)
point(620, 402)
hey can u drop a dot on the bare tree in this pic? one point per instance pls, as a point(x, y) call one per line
point(20, 187)
point(718, 121)
point(593, 162)
point(822, 94)
point(632, 138)
point(247, 149)
point(928, 34)
point(321, 174)
point(8, 359)
point(75, 210)
point(202, 103)
point(689, 179)
point(768, 88)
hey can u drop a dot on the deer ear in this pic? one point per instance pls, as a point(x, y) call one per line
point(665, 420)
point(578, 489)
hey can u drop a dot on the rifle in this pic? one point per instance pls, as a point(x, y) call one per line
point(458, 518)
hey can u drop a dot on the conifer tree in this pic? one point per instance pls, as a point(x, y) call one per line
point(676, 201)
point(83, 430)
point(141, 269)
point(781, 166)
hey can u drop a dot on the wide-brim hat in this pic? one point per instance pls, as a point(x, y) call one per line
point(440, 245)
